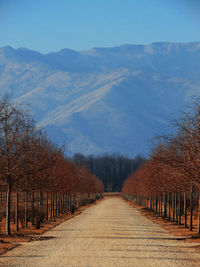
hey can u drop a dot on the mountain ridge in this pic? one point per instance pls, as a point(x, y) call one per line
point(104, 100)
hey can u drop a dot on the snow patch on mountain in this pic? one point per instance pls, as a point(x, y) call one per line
point(104, 99)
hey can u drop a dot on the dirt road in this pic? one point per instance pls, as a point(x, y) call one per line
point(109, 234)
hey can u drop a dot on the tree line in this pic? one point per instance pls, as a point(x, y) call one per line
point(37, 181)
point(168, 183)
point(113, 169)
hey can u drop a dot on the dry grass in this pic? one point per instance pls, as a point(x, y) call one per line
point(5, 246)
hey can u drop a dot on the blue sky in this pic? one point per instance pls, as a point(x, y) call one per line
point(50, 25)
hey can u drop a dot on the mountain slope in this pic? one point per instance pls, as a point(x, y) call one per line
point(104, 99)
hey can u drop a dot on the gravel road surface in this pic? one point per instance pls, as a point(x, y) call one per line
point(109, 234)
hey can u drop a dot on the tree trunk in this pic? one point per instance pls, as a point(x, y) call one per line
point(33, 207)
point(185, 210)
point(176, 209)
point(41, 205)
point(58, 204)
point(26, 209)
point(165, 204)
point(156, 206)
point(69, 203)
point(56, 211)
point(51, 213)
point(179, 209)
point(161, 206)
point(199, 215)
point(151, 207)
point(191, 209)
point(8, 208)
point(66, 203)
point(169, 207)
point(17, 210)
point(61, 205)
point(173, 207)
point(47, 207)
point(53, 206)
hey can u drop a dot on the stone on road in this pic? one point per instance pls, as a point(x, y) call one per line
point(112, 234)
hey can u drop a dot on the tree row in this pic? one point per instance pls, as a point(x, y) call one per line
point(37, 182)
point(112, 169)
point(169, 182)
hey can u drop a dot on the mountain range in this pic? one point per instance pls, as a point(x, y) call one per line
point(104, 100)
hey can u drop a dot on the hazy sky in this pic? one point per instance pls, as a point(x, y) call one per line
point(50, 25)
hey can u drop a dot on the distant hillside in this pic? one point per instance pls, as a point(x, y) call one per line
point(105, 99)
